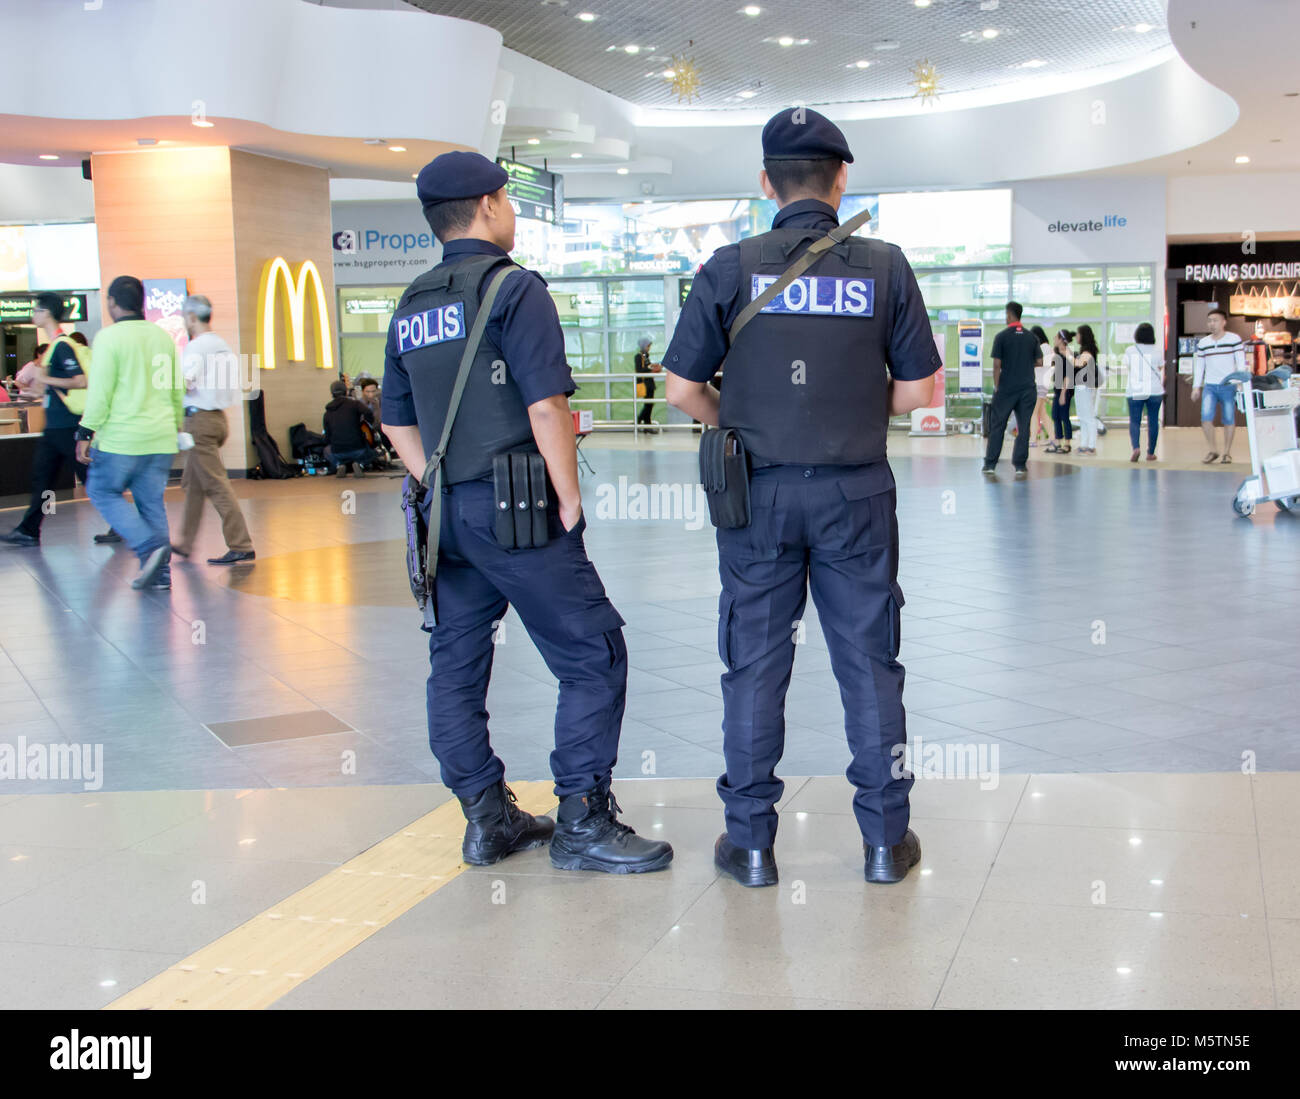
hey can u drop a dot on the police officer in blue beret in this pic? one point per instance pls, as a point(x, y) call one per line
point(810, 380)
point(514, 400)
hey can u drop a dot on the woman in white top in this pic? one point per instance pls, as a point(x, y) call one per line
point(1145, 389)
point(1041, 382)
point(1088, 382)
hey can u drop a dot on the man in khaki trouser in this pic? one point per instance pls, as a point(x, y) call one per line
point(211, 385)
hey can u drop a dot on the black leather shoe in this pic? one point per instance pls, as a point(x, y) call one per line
point(752, 868)
point(230, 557)
point(886, 865)
point(497, 827)
point(109, 536)
point(588, 836)
point(19, 538)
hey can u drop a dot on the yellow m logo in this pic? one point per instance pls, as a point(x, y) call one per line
point(276, 276)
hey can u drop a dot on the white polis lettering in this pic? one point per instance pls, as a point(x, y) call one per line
point(447, 322)
point(821, 294)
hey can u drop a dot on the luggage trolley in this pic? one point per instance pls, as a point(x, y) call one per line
point(1274, 458)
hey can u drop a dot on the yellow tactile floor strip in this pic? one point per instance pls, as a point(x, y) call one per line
point(261, 960)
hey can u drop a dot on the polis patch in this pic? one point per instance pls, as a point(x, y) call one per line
point(447, 322)
point(826, 295)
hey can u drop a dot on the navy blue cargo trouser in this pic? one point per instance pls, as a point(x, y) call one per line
point(559, 596)
point(832, 529)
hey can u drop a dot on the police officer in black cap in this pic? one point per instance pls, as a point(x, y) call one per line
point(514, 399)
point(811, 377)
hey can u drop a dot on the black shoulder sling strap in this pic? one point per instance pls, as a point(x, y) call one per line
point(836, 236)
point(434, 468)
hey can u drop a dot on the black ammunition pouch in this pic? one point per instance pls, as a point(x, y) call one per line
point(521, 497)
point(724, 473)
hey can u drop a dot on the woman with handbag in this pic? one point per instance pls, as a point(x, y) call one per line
point(1145, 389)
point(1062, 392)
point(645, 382)
point(1089, 382)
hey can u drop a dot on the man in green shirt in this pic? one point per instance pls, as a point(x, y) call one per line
point(134, 411)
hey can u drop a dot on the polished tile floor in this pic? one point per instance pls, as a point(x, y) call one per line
point(1044, 891)
point(1088, 620)
point(1108, 646)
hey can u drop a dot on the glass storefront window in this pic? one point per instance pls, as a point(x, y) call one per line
point(955, 294)
point(638, 302)
point(368, 308)
point(579, 304)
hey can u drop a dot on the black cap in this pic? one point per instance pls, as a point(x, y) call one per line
point(338, 388)
point(458, 175)
point(798, 133)
point(52, 304)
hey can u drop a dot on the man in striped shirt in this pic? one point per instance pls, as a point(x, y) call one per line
point(1217, 355)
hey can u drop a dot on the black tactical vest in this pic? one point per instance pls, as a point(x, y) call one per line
point(806, 382)
point(433, 321)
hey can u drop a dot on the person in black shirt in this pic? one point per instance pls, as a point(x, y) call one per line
point(645, 371)
point(61, 371)
point(342, 422)
point(1017, 356)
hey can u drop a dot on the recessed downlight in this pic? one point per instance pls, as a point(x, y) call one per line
point(587, 16)
point(989, 32)
point(48, 156)
point(1243, 159)
point(575, 156)
point(747, 94)
point(534, 141)
point(921, 3)
point(621, 171)
point(397, 148)
point(631, 49)
point(751, 10)
point(1142, 28)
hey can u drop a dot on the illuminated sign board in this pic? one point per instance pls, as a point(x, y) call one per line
point(293, 294)
point(18, 307)
point(534, 192)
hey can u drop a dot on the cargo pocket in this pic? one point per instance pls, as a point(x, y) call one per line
point(896, 602)
point(726, 613)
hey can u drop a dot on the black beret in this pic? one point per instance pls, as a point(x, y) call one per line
point(799, 133)
point(458, 175)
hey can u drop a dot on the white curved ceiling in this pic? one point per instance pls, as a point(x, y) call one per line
point(811, 51)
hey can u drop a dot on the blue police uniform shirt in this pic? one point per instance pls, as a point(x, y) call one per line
point(699, 343)
point(523, 326)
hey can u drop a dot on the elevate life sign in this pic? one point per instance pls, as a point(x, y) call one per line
point(534, 192)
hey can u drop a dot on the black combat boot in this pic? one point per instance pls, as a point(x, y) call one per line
point(590, 837)
point(497, 827)
point(887, 865)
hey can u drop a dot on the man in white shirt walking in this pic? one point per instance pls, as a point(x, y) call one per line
point(211, 386)
point(1217, 355)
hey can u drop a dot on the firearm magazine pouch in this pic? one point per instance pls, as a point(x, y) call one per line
point(521, 496)
point(724, 473)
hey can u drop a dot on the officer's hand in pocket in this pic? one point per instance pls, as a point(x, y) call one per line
point(570, 514)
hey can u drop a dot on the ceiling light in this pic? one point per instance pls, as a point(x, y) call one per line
point(861, 64)
point(534, 141)
point(751, 9)
point(587, 16)
point(1036, 63)
point(1242, 160)
point(1142, 28)
point(48, 156)
point(631, 49)
point(621, 171)
point(668, 74)
point(576, 156)
point(415, 175)
point(785, 40)
point(989, 32)
point(397, 148)
point(747, 94)
point(921, 3)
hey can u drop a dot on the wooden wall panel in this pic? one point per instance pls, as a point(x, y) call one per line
point(283, 209)
point(167, 213)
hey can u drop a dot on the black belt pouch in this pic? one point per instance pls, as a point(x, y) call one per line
point(521, 496)
point(724, 473)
